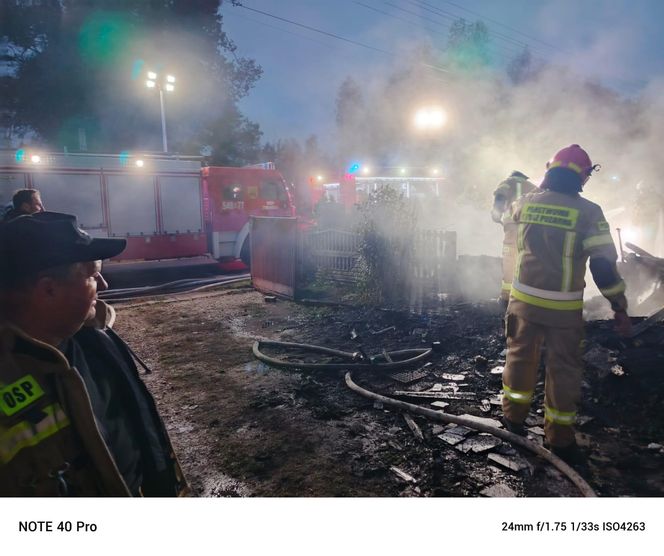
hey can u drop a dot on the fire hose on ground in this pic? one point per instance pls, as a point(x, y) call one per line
point(359, 361)
point(169, 288)
point(397, 360)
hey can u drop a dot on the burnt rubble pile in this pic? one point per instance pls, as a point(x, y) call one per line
point(620, 423)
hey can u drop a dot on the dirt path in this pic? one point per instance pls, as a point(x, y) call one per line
point(240, 428)
point(243, 429)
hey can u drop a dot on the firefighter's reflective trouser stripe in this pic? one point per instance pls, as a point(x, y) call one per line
point(564, 369)
point(25, 434)
point(509, 260)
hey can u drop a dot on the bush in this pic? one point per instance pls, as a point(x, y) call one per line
point(386, 227)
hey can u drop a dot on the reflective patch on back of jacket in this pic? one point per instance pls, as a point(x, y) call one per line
point(549, 215)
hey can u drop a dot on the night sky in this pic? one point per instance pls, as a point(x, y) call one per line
point(618, 42)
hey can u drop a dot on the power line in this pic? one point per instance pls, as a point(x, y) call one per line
point(558, 49)
point(396, 17)
point(442, 13)
point(333, 35)
point(281, 29)
point(327, 34)
point(503, 25)
point(504, 49)
point(439, 14)
point(452, 18)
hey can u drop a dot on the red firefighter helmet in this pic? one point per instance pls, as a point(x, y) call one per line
point(575, 159)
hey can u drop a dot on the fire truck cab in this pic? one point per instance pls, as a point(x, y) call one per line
point(231, 196)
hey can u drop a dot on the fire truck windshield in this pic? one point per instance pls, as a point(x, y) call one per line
point(272, 191)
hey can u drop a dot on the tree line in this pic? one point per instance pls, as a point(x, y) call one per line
point(74, 77)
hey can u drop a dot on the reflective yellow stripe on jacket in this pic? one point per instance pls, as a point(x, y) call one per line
point(568, 261)
point(613, 290)
point(26, 434)
point(548, 299)
point(597, 241)
point(521, 228)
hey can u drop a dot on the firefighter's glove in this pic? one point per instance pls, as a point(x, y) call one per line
point(623, 323)
point(496, 215)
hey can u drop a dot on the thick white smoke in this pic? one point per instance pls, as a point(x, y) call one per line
point(496, 126)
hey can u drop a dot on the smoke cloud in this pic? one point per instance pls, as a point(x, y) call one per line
point(496, 126)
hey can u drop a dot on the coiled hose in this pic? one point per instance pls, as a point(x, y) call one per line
point(358, 362)
point(404, 358)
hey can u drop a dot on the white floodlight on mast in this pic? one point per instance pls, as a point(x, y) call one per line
point(169, 86)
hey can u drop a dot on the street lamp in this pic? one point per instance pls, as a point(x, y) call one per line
point(167, 84)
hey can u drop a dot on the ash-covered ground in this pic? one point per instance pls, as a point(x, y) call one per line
point(242, 428)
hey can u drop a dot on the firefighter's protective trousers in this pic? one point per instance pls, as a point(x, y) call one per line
point(564, 368)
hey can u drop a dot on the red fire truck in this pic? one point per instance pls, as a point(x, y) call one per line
point(165, 206)
point(231, 195)
point(352, 189)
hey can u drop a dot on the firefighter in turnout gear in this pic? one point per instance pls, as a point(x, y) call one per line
point(557, 232)
point(75, 417)
point(508, 191)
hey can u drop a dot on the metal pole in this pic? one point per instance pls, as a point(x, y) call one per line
point(163, 121)
point(622, 253)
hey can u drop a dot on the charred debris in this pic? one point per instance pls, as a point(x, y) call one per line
point(620, 425)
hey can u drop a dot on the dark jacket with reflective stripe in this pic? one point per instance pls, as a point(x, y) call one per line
point(50, 444)
point(556, 235)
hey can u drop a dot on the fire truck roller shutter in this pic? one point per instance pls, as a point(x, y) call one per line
point(132, 205)
point(78, 194)
point(181, 209)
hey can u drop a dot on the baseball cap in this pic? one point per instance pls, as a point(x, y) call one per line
point(31, 243)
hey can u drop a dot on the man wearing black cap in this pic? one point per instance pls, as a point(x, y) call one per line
point(75, 418)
